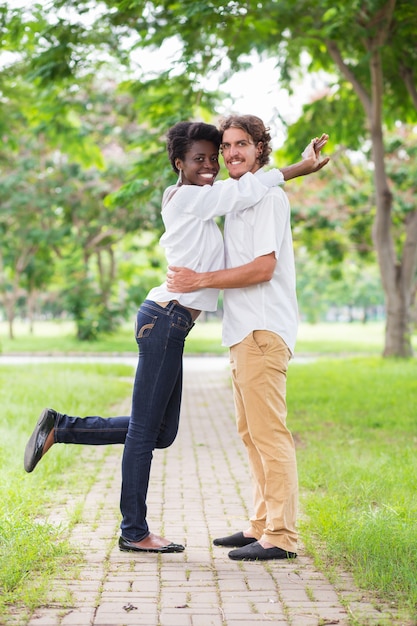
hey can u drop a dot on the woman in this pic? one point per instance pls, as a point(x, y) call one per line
point(164, 320)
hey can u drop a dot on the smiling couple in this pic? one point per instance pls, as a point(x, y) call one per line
point(255, 267)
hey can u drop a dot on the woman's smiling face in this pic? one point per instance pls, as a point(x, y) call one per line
point(200, 165)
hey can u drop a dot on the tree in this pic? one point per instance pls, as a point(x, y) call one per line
point(333, 217)
point(366, 46)
point(28, 224)
point(371, 48)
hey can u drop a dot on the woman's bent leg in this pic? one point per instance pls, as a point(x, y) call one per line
point(92, 430)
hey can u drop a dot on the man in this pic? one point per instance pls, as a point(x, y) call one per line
point(259, 326)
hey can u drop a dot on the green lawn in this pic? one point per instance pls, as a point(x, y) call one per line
point(32, 554)
point(325, 339)
point(354, 422)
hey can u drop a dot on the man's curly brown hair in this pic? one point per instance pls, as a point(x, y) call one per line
point(255, 127)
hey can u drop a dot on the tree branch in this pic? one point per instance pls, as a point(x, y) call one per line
point(407, 75)
point(98, 238)
point(363, 95)
point(409, 264)
point(377, 89)
point(383, 20)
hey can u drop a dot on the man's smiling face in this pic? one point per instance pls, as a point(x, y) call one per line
point(239, 152)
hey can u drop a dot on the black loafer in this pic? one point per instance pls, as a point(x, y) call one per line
point(129, 546)
point(238, 540)
point(35, 445)
point(255, 552)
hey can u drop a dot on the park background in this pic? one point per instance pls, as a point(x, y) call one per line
point(88, 90)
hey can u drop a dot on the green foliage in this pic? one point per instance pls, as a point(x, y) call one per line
point(80, 298)
point(59, 85)
point(83, 156)
point(54, 212)
point(321, 287)
point(333, 215)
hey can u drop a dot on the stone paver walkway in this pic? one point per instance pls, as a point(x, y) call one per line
point(199, 490)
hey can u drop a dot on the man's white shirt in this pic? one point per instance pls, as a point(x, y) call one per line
point(272, 305)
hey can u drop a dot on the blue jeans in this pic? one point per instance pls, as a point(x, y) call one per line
point(156, 401)
point(91, 430)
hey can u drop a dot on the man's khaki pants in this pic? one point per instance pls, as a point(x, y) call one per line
point(259, 372)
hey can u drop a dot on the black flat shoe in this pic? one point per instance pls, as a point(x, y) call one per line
point(255, 552)
point(35, 445)
point(238, 540)
point(129, 546)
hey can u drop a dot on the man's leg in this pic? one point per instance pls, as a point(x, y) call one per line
point(259, 370)
point(258, 519)
point(255, 530)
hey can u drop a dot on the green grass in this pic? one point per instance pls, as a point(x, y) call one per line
point(341, 338)
point(205, 338)
point(32, 550)
point(355, 425)
point(59, 338)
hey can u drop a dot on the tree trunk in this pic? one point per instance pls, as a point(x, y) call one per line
point(9, 305)
point(397, 329)
point(107, 273)
point(31, 307)
point(396, 286)
point(395, 272)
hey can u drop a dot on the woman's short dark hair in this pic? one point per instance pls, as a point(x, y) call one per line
point(181, 137)
point(254, 127)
